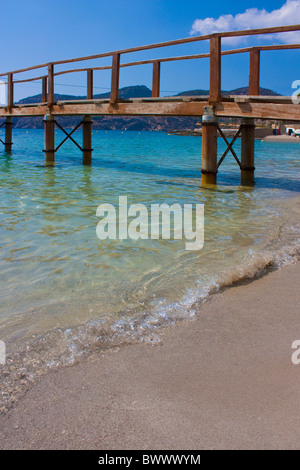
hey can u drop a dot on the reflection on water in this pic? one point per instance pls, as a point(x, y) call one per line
point(50, 256)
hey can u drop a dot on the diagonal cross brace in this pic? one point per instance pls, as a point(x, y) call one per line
point(229, 146)
point(69, 136)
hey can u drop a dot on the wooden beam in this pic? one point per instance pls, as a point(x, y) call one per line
point(156, 79)
point(247, 152)
point(277, 47)
point(254, 32)
point(209, 168)
point(63, 72)
point(115, 74)
point(44, 90)
point(215, 69)
point(87, 127)
point(10, 95)
point(225, 108)
point(259, 110)
point(254, 72)
point(49, 130)
point(30, 79)
point(89, 93)
point(50, 84)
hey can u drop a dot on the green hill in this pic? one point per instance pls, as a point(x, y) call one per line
point(236, 91)
point(138, 91)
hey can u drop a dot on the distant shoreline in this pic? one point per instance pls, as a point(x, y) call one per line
point(231, 133)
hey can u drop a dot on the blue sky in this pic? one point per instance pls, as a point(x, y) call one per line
point(35, 31)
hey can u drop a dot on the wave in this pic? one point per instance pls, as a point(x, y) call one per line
point(64, 347)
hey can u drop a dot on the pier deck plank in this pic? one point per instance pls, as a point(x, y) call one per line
point(260, 107)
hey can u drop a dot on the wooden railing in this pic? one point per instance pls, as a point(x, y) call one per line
point(215, 55)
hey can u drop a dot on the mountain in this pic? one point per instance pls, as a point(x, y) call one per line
point(141, 91)
point(236, 91)
point(136, 123)
point(245, 91)
point(122, 123)
point(197, 93)
point(138, 91)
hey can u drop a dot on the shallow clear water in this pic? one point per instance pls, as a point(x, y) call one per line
point(64, 292)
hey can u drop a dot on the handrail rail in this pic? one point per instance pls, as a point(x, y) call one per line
point(215, 55)
point(170, 59)
point(247, 32)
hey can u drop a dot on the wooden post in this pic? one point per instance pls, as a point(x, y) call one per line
point(89, 93)
point(49, 127)
point(254, 72)
point(44, 90)
point(115, 75)
point(50, 84)
point(215, 69)
point(8, 134)
point(247, 152)
point(87, 127)
point(209, 147)
point(156, 79)
point(10, 93)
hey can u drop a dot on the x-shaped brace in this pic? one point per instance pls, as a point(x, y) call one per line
point(229, 146)
point(69, 136)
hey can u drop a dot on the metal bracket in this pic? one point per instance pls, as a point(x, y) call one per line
point(209, 172)
point(247, 168)
point(209, 116)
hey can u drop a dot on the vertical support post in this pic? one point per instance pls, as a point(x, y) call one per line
point(209, 146)
point(49, 127)
point(215, 69)
point(8, 134)
point(247, 152)
point(44, 90)
point(254, 72)
point(50, 84)
point(87, 126)
point(10, 94)
point(156, 79)
point(89, 92)
point(115, 75)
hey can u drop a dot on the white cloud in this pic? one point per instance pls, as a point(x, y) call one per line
point(253, 18)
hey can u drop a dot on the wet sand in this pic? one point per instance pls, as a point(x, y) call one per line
point(222, 381)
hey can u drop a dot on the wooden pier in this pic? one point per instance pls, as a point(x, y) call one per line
point(209, 108)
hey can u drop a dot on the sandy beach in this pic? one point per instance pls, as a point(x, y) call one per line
point(222, 381)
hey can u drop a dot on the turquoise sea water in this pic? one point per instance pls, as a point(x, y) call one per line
point(64, 293)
